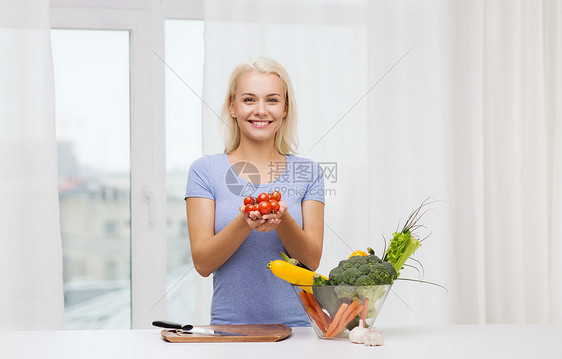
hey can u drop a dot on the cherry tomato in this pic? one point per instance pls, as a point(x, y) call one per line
point(264, 197)
point(249, 200)
point(274, 205)
point(250, 208)
point(275, 195)
point(264, 207)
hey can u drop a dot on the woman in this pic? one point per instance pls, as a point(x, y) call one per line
point(260, 119)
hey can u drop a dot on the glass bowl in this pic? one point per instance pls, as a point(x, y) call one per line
point(322, 304)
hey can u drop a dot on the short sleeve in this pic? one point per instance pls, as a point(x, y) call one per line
point(198, 179)
point(315, 190)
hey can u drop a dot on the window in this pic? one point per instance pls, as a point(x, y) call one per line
point(183, 229)
point(92, 117)
point(110, 228)
point(130, 181)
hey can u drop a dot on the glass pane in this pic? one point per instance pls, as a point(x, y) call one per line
point(92, 116)
point(184, 82)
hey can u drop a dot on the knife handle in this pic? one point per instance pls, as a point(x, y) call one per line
point(166, 324)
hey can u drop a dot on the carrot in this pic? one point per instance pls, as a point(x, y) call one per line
point(365, 310)
point(304, 299)
point(351, 311)
point(351, 307)
point(311, 311)
point(337, 318)
point(314, 304)
point(316, 318)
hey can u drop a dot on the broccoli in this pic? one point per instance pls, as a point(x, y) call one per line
point(362, 270)
point(343, 263)
point(358, 277)
point(350, 275)
point(372, 259)
point(355, 260)
point(336, 275)
point(365, 280)
point(383, 273)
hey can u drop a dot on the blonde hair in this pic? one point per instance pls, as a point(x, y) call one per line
point(286, 138)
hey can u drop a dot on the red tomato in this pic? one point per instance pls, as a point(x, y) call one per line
point(274, 205)
point(249, 200)
point(264, 197)
point(264, 207)
point(275, 195)
point(249, 208)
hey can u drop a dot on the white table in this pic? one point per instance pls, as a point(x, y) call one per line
point(456, 341)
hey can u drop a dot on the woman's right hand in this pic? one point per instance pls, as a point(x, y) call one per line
point(253, 219)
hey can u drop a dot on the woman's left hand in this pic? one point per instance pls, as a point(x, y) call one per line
point(272, 220)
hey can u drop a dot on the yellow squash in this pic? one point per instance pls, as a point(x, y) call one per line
point(291, 273)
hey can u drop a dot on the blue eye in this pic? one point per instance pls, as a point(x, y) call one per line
point(273, 100)
point(248, 100)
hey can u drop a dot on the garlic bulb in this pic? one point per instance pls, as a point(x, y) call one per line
point(373, 337)
point(356, 334)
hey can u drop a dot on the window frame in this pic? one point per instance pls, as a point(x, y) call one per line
point(145, 22)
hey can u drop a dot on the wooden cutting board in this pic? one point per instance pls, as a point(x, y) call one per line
point(254, 333)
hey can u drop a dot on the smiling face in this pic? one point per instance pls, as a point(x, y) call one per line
point(258, 105)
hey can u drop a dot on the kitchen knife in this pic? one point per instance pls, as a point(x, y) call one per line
point(190, 329)
point(196, 330)
point(171, 325)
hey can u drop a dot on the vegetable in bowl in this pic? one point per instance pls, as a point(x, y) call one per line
point(354, 291)
point(356, 278)
point(363, 270)
point(333, 314)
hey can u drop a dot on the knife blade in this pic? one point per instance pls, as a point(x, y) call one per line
point(206, 331)
point(190, 329)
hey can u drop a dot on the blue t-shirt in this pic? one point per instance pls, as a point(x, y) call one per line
point(244, 290)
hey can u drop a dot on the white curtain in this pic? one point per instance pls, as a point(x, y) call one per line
point(30, 246)
point(458, 100)
point(506, 105)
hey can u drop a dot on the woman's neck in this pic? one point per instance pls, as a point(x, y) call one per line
point(259, 153)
